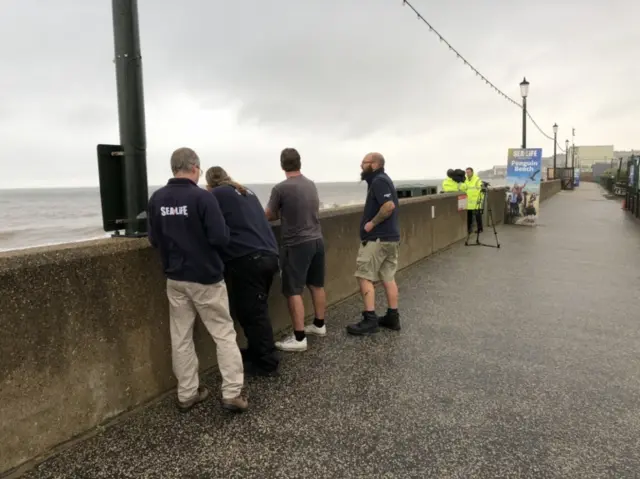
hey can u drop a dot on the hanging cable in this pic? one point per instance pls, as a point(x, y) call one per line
point(477, 72)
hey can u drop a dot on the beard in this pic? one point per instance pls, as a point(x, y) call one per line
point(365, 173)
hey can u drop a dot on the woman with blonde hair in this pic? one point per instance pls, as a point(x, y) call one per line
point(217, 176)
point(251, 261)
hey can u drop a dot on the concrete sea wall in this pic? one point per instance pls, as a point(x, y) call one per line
point(549, 188)
point(85, 326)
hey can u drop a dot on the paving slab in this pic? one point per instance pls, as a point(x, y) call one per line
point(517, 362)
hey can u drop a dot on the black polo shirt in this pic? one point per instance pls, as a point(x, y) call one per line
point(381, 190)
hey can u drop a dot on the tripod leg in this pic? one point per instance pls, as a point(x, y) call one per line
point(493, 226)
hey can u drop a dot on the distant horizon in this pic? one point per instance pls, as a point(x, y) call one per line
point(84, 187)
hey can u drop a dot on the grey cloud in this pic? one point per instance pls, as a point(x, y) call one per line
point(320, 64)
point(341, 69)
point(346, 70)
point(92, 115)
point(624, 109)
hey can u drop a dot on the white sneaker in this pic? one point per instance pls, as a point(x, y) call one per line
point(292, 344)
point(315, 330)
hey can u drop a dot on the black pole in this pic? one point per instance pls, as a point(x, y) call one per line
point(555, 142)
point(524, 122)
point(128, 60)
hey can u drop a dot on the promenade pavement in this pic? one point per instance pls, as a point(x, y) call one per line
point(517, 362)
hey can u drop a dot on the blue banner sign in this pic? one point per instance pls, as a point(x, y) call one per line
point(524, 171)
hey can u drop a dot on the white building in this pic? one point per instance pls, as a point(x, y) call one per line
point(500, 170)
point(624, 154)
point(586, 156)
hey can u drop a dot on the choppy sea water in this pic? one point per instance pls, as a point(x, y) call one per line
point(38, 217)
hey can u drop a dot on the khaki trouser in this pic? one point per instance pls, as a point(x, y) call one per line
point(377, 260)
point(211, 302)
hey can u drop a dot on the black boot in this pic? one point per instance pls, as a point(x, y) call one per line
point(368, 325)
point(252, 369)
point(391, 320)
point(260, 366)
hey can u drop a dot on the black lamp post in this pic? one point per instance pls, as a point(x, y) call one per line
point(566, 153)
point(131, 114)
point(524, 91)
point(573, 148)
point(555, 142)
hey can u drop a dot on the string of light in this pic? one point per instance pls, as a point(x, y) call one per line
point(477, 72)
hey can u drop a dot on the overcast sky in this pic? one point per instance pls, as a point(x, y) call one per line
point(240, 80)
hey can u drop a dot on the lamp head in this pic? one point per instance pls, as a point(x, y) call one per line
point(555, 128)
point(524, 88)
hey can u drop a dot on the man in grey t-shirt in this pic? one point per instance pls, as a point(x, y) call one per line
point(295, 201)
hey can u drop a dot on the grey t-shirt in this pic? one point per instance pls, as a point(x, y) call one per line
point(297, 203)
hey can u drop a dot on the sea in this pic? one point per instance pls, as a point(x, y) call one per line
point(48, 216)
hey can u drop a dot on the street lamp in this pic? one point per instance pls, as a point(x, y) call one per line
point(524, 91)
point(566, 153)
point(555, 142)
point(573, 148)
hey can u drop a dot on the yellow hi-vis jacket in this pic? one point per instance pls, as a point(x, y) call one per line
point(472, 187)
point(448, 185)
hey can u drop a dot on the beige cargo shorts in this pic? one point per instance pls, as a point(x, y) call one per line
point(377, 260)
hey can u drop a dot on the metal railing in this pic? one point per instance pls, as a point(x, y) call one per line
point(632, 193)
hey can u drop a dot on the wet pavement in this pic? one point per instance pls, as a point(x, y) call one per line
point(517, 362)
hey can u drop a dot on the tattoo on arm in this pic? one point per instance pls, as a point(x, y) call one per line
point(383, 213)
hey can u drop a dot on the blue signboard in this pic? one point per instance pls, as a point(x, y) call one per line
point(576, 177)
point(524, 171)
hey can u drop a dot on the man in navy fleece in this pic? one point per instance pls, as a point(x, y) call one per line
point(251, 261)
point(187, 226)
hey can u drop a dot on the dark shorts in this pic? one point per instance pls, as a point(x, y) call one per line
point(302, 264)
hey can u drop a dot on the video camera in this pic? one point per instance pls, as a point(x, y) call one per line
point(485, 186)
point(458, 176)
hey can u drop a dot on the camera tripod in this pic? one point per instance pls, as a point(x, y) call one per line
point(480, 205)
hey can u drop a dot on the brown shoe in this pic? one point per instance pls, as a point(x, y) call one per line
point(236, 404)
point(201, 395)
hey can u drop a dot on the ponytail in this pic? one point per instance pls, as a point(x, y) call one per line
point(217, 176)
